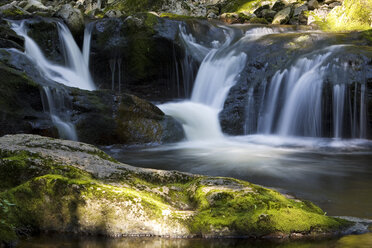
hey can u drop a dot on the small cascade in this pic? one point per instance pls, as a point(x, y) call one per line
point(58, 110)
point(87, 40)
point(112, 68)
point(250, 113)
point(217, 74)
point(74, 74)
point(119, 74)
point(338, 109)
point(116, 62)
point(296, 100)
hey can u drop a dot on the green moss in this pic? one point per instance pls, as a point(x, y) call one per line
point(258, 20)
point(242, 6)
point(368, 36)
point(12, 12)
point(53, 196)
point(256, 212)
point(178, 17)
point(352, 15)
point(135, 6)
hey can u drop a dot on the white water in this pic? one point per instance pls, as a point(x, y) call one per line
point(74, 74)
point(55, 99)
point(217, 74)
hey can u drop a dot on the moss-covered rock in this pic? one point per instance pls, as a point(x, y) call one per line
point(103, 118)
point(352, 15)
point(21, 107)
point(78, 188)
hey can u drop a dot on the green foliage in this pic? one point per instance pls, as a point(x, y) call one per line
point(135, 6)
point(241, 5)
point(352, 15)
point(7, 233)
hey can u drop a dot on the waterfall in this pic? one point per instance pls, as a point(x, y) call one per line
point(294, 103)
point(58, 111)
point(217, 74)
point(74, 74)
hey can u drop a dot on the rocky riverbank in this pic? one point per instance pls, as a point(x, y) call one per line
point(328, 14)
point(64, 186)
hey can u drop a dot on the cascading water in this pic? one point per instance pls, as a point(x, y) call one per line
point(74, 74)
point(294, 101)
point(217, 73)
point(58, 111)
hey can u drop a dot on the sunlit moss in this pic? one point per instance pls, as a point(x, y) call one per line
point(64, 198)
point(352, 15)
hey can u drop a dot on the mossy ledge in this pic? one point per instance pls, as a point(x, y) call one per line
point(64, 186)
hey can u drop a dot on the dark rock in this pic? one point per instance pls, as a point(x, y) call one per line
point(283, 16)
point(21, 107)
point(72, 17)
point(268, 14)
point(258, 11)
point(313, 4)
point(146, 47)
point(103, 118)
point(299, 10)
point(8, 38)
point(279, 5)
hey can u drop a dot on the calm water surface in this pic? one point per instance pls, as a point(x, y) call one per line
point(335, 174)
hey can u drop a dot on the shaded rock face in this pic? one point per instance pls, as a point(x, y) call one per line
point(141, 54)
point(24, 108)
point(103, 118)
point(278, 53)
point(64, 186)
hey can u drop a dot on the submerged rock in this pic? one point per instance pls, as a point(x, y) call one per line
point(65, 186)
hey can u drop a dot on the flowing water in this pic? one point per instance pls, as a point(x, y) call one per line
point(290, 142)
point(286, 145)
point(74, 74)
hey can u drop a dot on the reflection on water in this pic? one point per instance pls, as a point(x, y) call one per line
point(65, 241)
point(335, 174)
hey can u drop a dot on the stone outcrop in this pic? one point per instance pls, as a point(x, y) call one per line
point(64, 186)
point(101, 117)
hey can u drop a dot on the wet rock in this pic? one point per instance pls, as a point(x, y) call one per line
point(300, 10)
point(113, 14)
point(334, 4)
point(268, 14)
point(279, 5)
point(313, 4)
point(283, 16)
point(21, 107)
point(258, 11)
point(8, 38)
point(72, 17)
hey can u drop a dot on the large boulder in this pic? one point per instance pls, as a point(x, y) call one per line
point(283, 16)
point(104, 118)
point(65, 186)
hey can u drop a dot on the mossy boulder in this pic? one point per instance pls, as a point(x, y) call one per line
point(103, 118)
point(66, 186)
